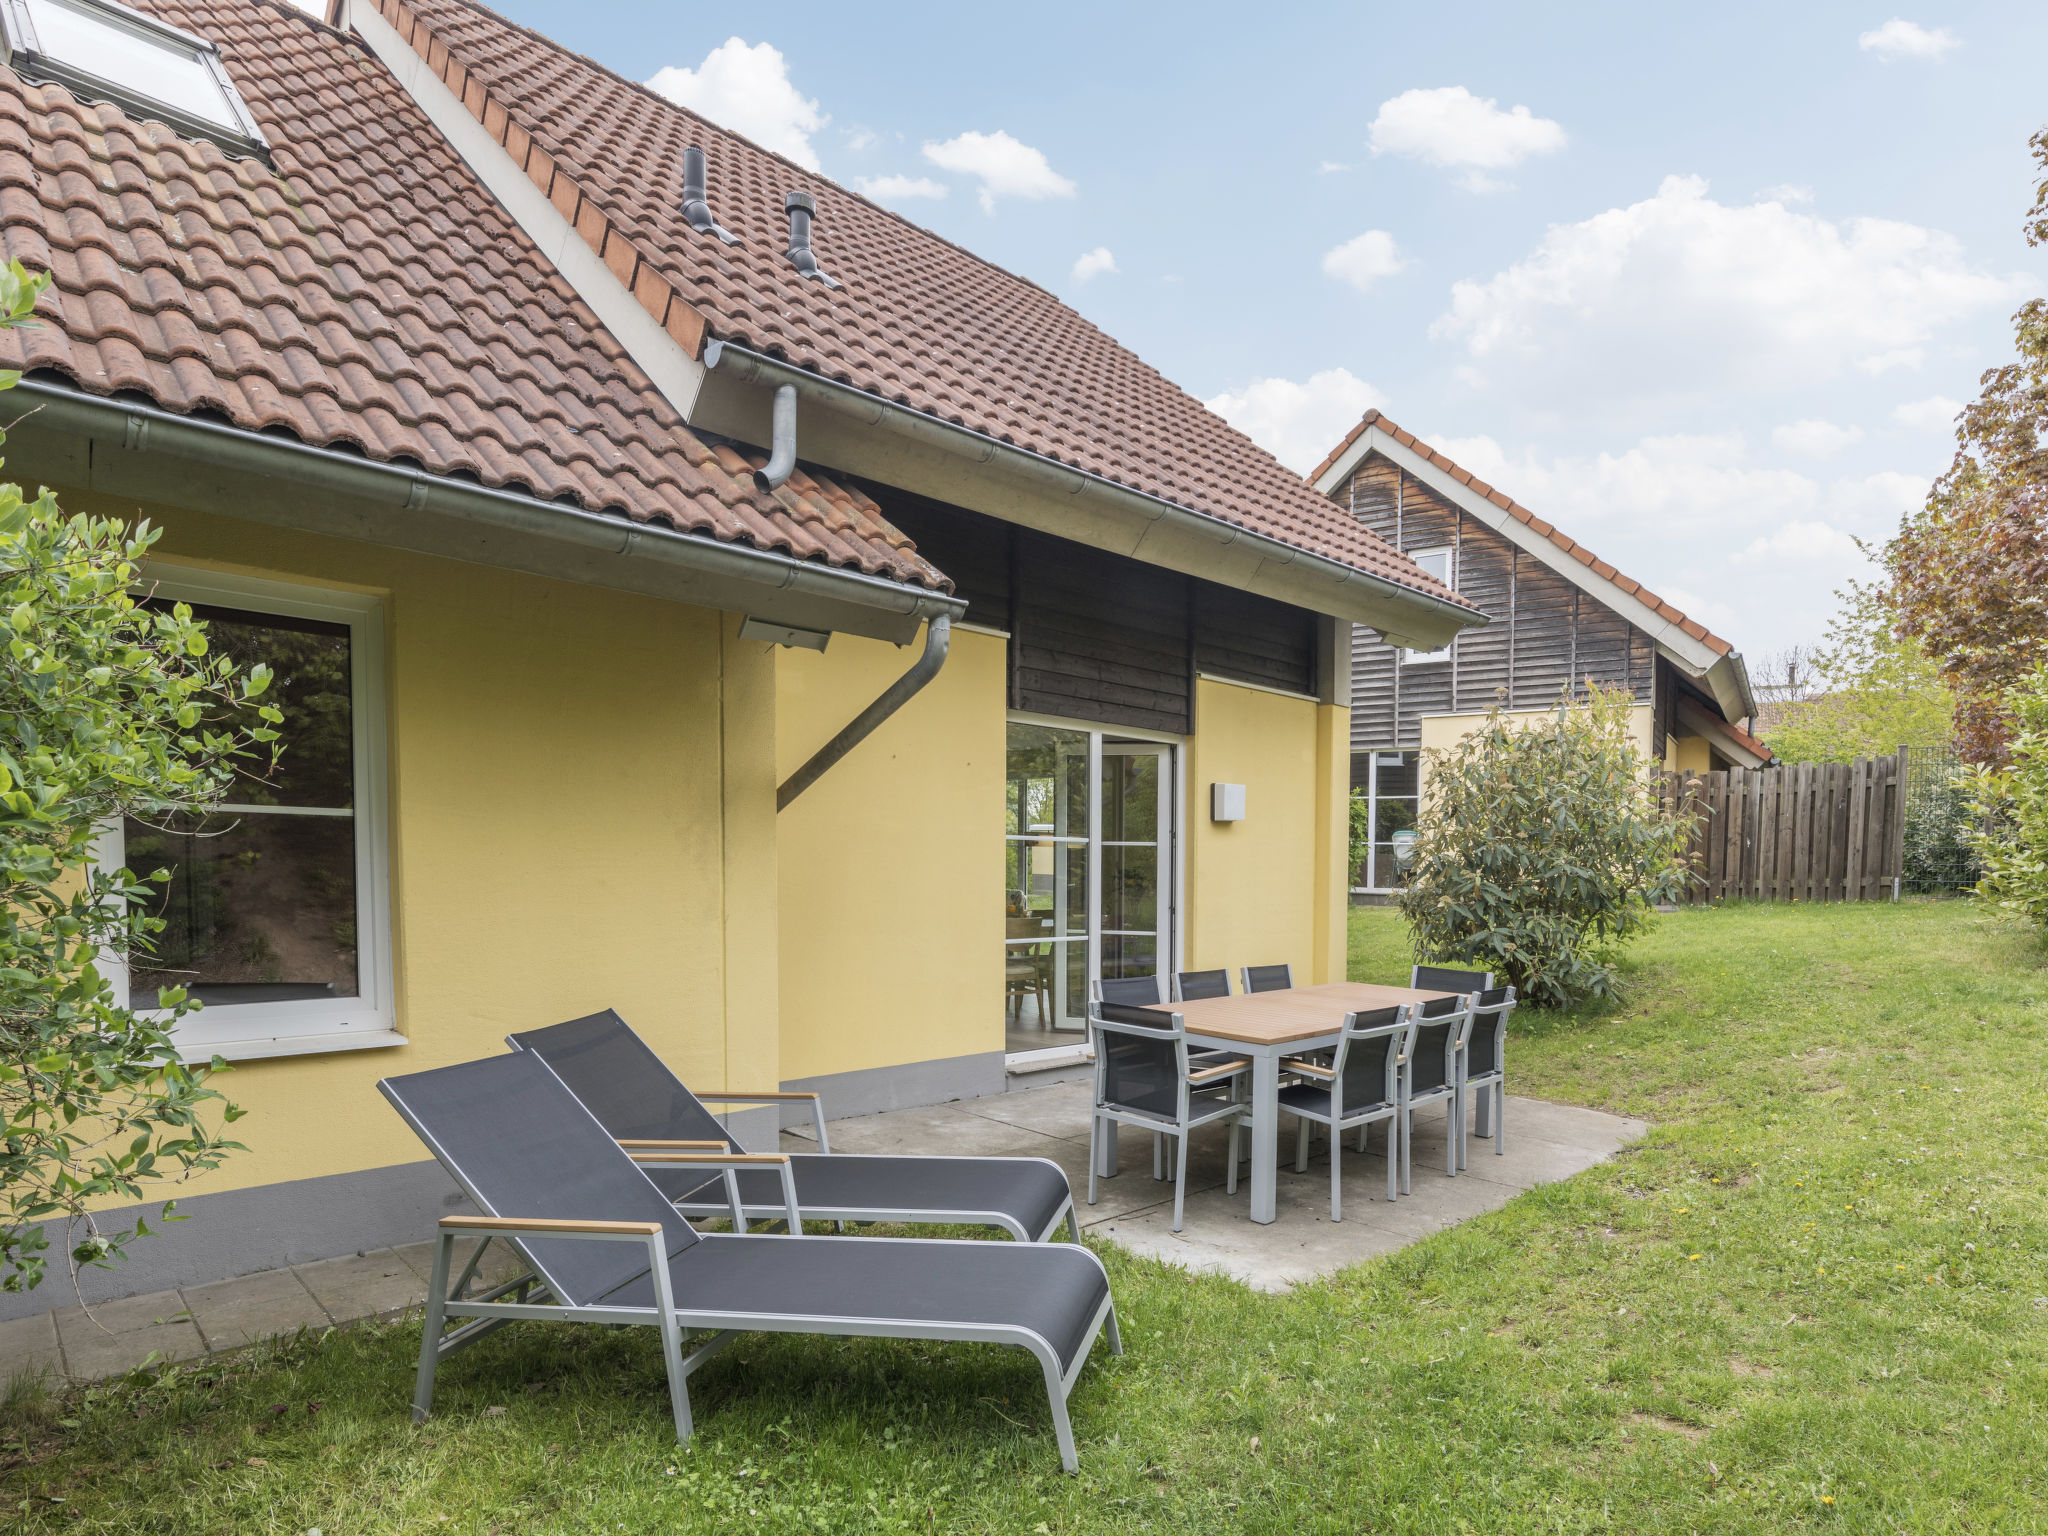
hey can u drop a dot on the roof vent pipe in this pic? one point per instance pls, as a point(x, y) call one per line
point(782, 445)
point(802, 208)
point(695, 209)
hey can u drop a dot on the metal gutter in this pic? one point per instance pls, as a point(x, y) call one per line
point(148, 428)
point(755, 368)
point(937, 638)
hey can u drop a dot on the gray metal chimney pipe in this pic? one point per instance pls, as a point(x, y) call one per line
point(695, 208)
point(801, 208)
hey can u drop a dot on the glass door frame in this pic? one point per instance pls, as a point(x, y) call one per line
point(1173, 886)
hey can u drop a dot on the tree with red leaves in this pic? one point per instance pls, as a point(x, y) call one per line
point(1970, 570)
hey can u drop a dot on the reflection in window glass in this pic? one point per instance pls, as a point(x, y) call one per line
point(131, 56)
point(262, 901)
point(259, 909)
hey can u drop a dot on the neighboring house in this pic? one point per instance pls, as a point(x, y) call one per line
point(453, 411)
point(1561, 618)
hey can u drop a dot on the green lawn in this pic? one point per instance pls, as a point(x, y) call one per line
point(1815, 1297)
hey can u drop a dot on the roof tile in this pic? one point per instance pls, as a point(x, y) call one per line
point(919, 321)
point(366, 292)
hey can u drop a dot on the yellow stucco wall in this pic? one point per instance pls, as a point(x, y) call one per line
point(1439, 731)
point(891, 865)
point(582, 816)
point(1688, 754)
point(1253, 891)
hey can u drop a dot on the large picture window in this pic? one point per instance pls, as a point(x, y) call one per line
point(275, 909)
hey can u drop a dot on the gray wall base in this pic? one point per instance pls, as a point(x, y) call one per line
point(910, 1086)
point(246, 1230)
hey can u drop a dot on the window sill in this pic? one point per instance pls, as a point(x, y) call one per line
point(265, 1047)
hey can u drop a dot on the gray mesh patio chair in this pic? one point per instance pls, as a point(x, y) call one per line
point(604, 1245)
point(1360, 1087)
point(1431, 1075)
point(1484, 1063)
point(1267, 978)
point(1139, 992)
point(1436, 978)
point(1144, 1076)
point(1194, 984)
point(645, 1106)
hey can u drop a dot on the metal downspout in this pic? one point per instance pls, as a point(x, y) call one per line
point(782, 444)
point(937, 637)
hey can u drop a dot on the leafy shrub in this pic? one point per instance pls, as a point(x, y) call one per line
point(1940, 815)
point(1542, 850)
point(2011, 839)
point(107, 709)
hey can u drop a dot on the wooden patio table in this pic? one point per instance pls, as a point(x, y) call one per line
point(1266, 1026)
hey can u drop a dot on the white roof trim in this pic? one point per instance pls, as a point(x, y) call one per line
point(1695, 658)
point(659, 355)
point(1717, 730)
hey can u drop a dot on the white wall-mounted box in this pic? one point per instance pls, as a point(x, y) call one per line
point(1226, 802)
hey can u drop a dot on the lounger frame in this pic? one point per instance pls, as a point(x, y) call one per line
point(487, 1313)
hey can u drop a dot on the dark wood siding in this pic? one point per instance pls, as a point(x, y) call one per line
point(1254, 639)
point(1547, 634)
point(1100, 637)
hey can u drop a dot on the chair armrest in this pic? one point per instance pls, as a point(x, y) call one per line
point(714, 1159)
point(641, 1144)
point(1224, 1070)
point(549, 1224)
point(1307, 1069)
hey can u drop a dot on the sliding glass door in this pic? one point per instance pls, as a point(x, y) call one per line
point(1088, 874)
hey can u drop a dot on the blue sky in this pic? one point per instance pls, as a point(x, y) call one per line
point(1704, 286)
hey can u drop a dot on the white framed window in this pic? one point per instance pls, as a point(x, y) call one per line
point(104, 51)
point(1442, 563)
point(277, 912)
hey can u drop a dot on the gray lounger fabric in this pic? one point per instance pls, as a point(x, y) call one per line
point(520, 1144)
point(636, 1097)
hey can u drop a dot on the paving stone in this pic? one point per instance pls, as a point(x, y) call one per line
point(944, 1130)
point(364, 1285)
point(29, 1344)
point(251, 1307)
point(1061, 1109)
point(120, 1335)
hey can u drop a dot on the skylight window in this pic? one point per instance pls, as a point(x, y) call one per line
point(107, 52)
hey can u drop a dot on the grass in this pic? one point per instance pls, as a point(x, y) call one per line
point(1813, 1298)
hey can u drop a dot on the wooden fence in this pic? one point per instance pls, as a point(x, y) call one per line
point(1797, 832)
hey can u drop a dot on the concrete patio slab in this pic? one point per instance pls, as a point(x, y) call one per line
point(364, 1284)
point(252, 1307)
point(1545, 1142)
point(120, 1335)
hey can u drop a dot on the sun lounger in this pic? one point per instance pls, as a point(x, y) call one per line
point(606, 1246)
point(645, 1106)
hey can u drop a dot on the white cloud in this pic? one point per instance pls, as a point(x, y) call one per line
point(749, 91)
point(1327, 167)
point(1785, 192)
point(1093, 263)
point(1004, 167)
point(1937, 413)
point(1898, 39)
point(1897, 357)
point(1451, 127)
point(1364, 259)
point(1680, 295)
point(858, 139)
point(1815, 439)
point(899, 189)
point(1298, 423)
point(1802, 540)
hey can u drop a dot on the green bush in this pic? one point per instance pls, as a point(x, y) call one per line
point(107, 709)
point(2011, 837)
point(1542, 850)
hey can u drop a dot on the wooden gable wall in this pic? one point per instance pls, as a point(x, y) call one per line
point(1547, 635)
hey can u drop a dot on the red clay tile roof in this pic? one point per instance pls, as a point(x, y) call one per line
point(368, 292)
point(1520, 513)
point(918, 321)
